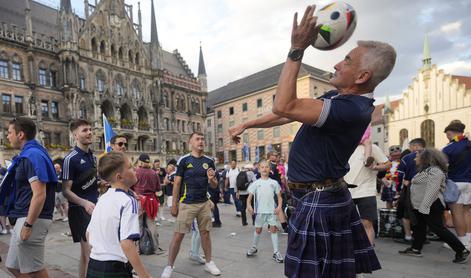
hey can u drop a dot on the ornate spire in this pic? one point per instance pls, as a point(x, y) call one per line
point(427, 59)
point(154, 42)
point(66, 6)
point(201, 67)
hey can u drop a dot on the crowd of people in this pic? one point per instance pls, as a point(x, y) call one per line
point(325, 202)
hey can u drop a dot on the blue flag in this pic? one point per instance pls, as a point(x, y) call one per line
point(108, 134)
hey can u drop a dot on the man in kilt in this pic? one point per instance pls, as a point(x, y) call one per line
point(326, 237)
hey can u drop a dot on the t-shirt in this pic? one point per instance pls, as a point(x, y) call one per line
point(193, 170)
point(263, 191)
point(275, 172)
point(407, 167)
point(115, 218)
point(147, 182)
point(80, 168)
point(321, 150)
point(462, 173)
point(24, 176)
point(363, 177)
point(162, 173)
point(232, 176)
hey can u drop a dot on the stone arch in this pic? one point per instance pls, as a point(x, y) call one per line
point(83, 110)
point(130, 56)
point(126, 116)
point(113, 52)
point(94, 46)
point(120, 53)
point(143, 121)
point(82, 79)
point(103, 48)
point(119, 87)
point(108, 110)
point(136, 89)
point(141, 142)
point(100, 81)
point(427, 132)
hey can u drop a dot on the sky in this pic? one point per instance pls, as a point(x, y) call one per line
point(242, 37)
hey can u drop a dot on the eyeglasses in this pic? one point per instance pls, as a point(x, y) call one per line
point(122, 144)
point(394, 149)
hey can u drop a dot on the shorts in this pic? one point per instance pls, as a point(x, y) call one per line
point(169, 201)
point(60, 199)
point(465, 193)
point(188, 212)
point(28, 256)
point(78, 223)
point(263, 219)
point(367, 208)
point(111, 269)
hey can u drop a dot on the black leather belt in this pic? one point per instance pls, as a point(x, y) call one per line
point(327, 183)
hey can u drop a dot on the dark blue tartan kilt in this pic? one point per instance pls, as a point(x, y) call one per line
point(387, 194)
point(326, 237)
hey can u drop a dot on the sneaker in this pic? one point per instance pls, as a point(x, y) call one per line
point(278, 258)
point(167, 273)
point(251, 251)
point(462, 257)
point(238, 214)
point(197, 258)
point(217, 224)
point(157, 223)
point(4, 232)
point(162, 218)
point(411, 252)
point(445, 245)
point(212, 268)
point(65, 219)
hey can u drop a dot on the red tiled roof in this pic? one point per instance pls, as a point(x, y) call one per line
point(394, 104)
point(466, 80)
point(377, 115)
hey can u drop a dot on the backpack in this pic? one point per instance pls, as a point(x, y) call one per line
point(146, 243)
point(242, 181)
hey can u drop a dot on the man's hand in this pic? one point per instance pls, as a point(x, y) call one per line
point(250, 210)
point(25, 233)
point(277, 209)
point(306, 32)
point(88, 206)
point(235, 131)
point(174, 210)
point(211, 173)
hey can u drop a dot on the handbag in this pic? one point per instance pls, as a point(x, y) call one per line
point(146, 243)
point(452, 193)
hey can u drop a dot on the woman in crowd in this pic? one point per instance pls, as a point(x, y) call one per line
point(427, 189)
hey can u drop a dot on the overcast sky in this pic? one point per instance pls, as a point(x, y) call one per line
point(241, 37)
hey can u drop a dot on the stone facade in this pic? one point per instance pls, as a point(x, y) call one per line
point(56, 66)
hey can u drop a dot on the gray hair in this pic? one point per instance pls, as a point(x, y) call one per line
point(380, 59)
point(430, 157)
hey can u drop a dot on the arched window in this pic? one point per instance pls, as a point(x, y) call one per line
point(100, 81)
point(167, 124)
point(165, 100)
point(136, 89)
point(113, 53)
point(4, 65)
point(137, 59)
point(130, 57)
point(103, 49)
point(197, 106)
point(403, 135)
point(43, 75)
point(94, 47)
point(119, 87)
point(53, 76)
point(82, 80)
point(120, 54)
point(427, 132)
point(83, 111)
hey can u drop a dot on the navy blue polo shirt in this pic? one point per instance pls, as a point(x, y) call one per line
point(407, 168)
point(462, 173)
point(24, 176)
point(321, 151)
point(80, 168)
point(193, 170)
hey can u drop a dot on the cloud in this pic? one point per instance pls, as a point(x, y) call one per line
point(451, 27)
point(457, 67)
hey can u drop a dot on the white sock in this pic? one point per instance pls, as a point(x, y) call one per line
point(256, 239)
point(408, 237)
point(463, 239)
point(274, 241)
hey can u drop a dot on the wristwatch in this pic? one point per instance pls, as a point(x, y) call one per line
point(296, 54)
point(27, 225)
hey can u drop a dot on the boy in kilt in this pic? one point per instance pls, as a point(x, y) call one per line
point(326, 237)
point(114, 225)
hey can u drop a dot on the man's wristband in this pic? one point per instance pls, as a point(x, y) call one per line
point(27, 225)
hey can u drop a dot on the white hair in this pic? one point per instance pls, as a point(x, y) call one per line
point(379, 58)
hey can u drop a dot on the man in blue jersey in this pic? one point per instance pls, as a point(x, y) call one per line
point(80, 187)
point(195, 172)
point(27, 192)
point(326, 237)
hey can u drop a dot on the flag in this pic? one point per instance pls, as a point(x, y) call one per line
point(245, 152)
point(257, 154)
point(108, 134)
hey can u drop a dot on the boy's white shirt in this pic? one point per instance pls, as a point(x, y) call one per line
point(264, 200)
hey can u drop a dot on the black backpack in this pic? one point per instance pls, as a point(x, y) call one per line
point(146, 242)
point(242, 181)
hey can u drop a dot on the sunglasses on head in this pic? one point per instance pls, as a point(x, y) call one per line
point(394, 149)
point(122, 143)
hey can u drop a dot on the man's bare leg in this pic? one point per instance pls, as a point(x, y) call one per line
point(85, 250)
point(206, 245)
point(174, 247)
point(370, 231)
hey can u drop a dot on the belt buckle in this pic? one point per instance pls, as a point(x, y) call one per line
point(320, 188)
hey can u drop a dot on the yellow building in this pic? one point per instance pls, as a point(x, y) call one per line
point(249, 98)
point(429, 104)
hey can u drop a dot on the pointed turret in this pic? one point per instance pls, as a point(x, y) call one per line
point(427, 59)
point(202, 78)
point(154, 41)
point(66, 6)
point(66, 21)
point(29, 23)
point(139, 17)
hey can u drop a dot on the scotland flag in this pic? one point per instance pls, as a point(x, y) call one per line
point(108, 134)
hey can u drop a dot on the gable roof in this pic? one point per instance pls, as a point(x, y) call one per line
point(256, 82)
point(466, 80)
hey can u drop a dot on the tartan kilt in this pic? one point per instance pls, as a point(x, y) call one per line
point(108, 269)
point(326, 237)
point(387, 194)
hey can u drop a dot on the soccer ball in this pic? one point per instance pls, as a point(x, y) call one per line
point(338, 20)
